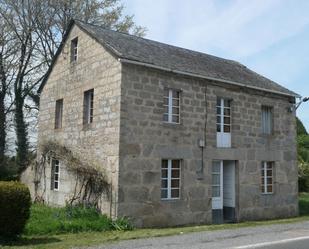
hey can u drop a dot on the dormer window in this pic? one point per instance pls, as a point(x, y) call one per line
point(74, 44)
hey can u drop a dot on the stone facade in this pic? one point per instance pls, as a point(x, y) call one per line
point(98, 142)
point(145, 140)
point(129, 139)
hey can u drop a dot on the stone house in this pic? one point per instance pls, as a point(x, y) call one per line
point(183, 137)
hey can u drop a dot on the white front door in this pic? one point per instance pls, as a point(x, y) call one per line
point(223, 184)
point(217, 186)
point(229, 184)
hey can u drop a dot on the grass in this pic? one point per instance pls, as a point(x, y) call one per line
point(69, 240)
point(50, 221)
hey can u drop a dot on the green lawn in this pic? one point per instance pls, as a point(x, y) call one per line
point(69, 240)
point(50, 221)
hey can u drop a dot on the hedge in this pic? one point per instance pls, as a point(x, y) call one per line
point(15, 202)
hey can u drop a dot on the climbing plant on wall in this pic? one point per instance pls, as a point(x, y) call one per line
point(91, 181)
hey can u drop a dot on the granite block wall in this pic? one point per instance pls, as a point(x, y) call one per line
point(145, 140)
point(98, 142)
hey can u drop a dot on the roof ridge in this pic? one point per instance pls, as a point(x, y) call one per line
point(137, 49)
point(155, 41)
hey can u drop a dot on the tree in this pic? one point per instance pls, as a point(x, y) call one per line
point(38, 27)
point(303, 157)
point(7, 53)
point(301, 130)
point(25, 66)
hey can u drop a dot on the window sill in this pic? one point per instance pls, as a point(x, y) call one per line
point(58, 129)
point(267, 194)
point(172, 125)
point(73, 65)
point(219, 147)
point(170, 200)
point(87, 127)
point(269, 136)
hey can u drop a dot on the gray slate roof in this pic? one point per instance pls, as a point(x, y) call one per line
point(175, 58)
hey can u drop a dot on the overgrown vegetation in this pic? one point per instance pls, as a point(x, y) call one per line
point(15, 202)
point(91, 181)
point(46, 220)
point(304, 204)
point(303, 157)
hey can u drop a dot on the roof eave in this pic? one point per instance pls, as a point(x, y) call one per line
point(124, 60)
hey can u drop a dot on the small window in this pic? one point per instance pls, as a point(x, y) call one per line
point(58, 113)
point(74, 44)
point(267, 177)
point(223, 115)
point(171, 106)
point(55, 173)
point(170, 179)
point(88, 106)
point(267, 120)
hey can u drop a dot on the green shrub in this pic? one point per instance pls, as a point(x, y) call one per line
point(70, 219)
point(304, 204)
point(122, 224)
point(15, 202)
point(8, 169)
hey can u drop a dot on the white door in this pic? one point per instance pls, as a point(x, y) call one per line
point(229, 183)
point(223, 122)
point(217, 185)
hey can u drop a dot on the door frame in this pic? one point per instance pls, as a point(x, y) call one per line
point(218, 202)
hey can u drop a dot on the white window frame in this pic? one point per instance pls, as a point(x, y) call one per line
point(267, 120)
point(54, 172)
point(88, 106)
point(170, 105)
point(223, 137)
point(169, 179)
point(264, 178)
point(217, 201)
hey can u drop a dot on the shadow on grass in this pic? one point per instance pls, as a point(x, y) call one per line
point(28, 241)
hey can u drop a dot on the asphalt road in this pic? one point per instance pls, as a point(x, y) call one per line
point(283, 236)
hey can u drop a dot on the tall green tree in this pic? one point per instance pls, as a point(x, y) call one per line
point(303, 157)
point(301, 130)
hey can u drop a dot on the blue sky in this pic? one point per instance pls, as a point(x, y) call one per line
point(269, 36)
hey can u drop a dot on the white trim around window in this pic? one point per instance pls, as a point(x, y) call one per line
point(170, 179)
point(224, 122)
point(267, 178)
point(55, 177)
point(171, 106)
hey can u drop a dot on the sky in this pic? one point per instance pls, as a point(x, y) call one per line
point(269, 36)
